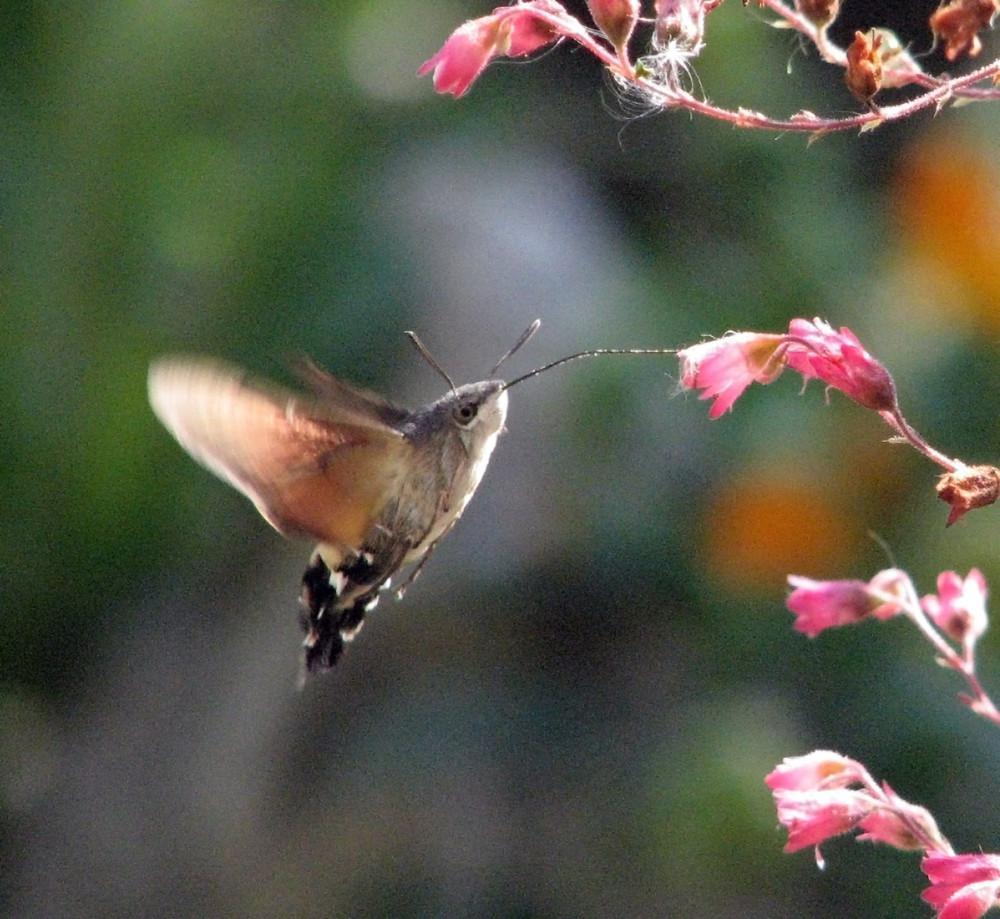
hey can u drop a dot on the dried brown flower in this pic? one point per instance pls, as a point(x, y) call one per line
point(957, 24)
point(864, 65)
point(968, 488)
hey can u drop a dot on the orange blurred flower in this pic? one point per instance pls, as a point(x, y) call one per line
point(947, 195)
point(761, 527)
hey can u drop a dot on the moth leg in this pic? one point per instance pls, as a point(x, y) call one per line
point(415, 573)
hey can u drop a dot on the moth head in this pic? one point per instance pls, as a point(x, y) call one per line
point(477, 410)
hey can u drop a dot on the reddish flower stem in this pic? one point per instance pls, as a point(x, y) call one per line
point(978, 700)
point(940, 91)
point(804, 123)
point(898, 423)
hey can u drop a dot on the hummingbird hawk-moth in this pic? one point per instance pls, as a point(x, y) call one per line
point(377, 486)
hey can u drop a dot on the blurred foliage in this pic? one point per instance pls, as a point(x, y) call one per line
point(572, 712)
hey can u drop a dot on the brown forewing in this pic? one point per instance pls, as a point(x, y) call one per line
point(311, 468)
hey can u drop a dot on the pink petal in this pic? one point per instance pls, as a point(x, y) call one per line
point(971, 902)
point(839, 360)
point(962, 886)
point(724, 368)
point(959, 607)
point(889, 828)
point(820, 605)
point(811, 817)
point(463, 56)
point(819, 769)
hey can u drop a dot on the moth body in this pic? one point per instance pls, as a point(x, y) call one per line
point(377, 486)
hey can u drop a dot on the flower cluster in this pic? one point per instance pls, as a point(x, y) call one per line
point(874, 61)
point(954, 616)
point(824, 794)
point(723, 368)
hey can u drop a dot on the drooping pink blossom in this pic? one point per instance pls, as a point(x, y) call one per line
point(812, 817)
point(511, 31)
point(817, 770)
point(463, 56)
point(903, 825)
point(820, 605)
point(962, 886)
point(959, 606)
point(725, 367)
point(889, 828)
point(838, 359)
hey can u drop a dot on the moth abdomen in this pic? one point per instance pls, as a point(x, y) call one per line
point(334, 603)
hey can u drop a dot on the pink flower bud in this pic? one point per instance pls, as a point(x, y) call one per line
point(528, 32)
point(840, 361)
point(725, 367)
point(615, 18)
point(821, 769)
point(962, 886)
point(959, 606)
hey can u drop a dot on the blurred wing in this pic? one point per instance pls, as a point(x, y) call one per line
point(348, 398)
point(311, 468)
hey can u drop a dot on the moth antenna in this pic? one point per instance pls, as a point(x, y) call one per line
point(427, 356)
point(596, 352)
point(526, 336)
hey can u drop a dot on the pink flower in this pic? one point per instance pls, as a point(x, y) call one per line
point(888, 827)
point(823, 605)
point(615, 18)
point(812, 817)
point(959, 607)
point(840, 361)
point(512, 31)
point(820, 769)
point(962, 886)
point(463, 56)
point(725, 367)
point(902, 825)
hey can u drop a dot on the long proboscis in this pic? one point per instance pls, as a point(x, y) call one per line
point(596, 352)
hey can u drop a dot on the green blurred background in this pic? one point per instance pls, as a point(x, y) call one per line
point(572, 711)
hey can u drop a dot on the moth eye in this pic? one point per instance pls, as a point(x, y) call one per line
point(466, 412)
